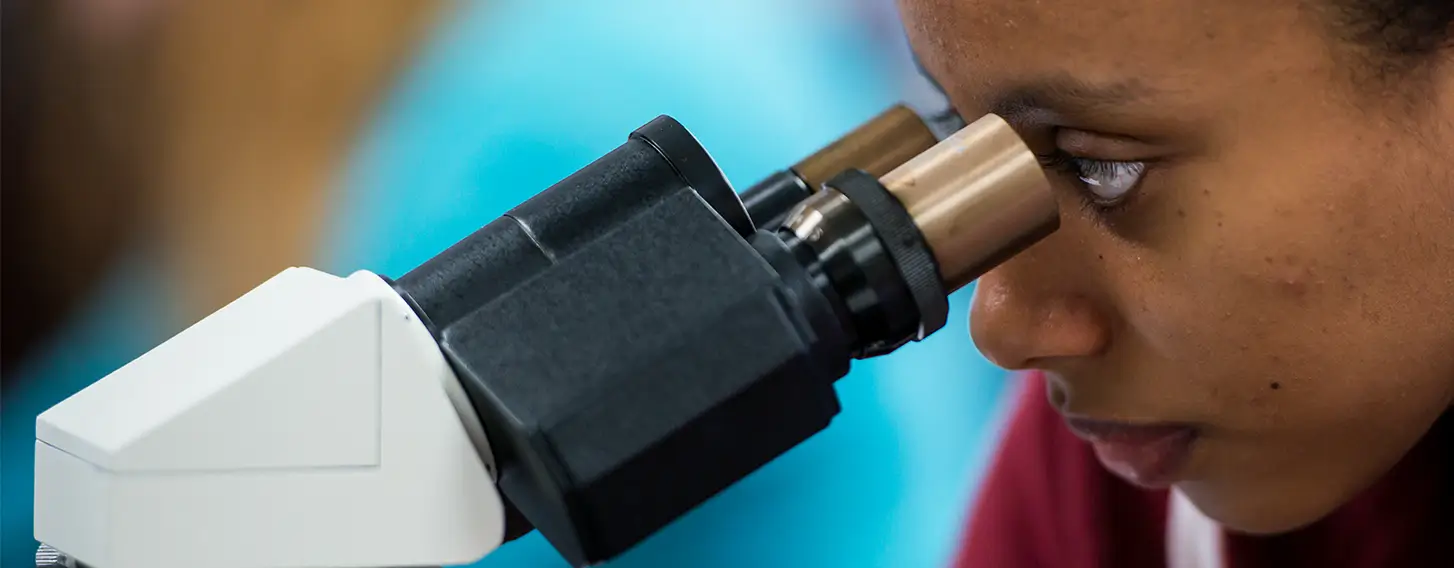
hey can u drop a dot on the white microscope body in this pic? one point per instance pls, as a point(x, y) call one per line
point(313, 422)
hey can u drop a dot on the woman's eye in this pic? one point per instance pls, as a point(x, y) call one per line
point(1105, 182)
point(1109, 181)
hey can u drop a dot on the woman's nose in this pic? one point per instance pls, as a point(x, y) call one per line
point(1023, 320)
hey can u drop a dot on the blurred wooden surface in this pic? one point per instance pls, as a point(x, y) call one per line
point(260, 102)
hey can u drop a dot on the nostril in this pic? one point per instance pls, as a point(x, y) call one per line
point(1055, 391)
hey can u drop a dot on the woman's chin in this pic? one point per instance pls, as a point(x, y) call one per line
point(1266, 512)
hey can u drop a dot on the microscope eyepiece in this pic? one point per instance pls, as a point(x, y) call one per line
point(878, 146)
point(891, 249)
point(979, 197)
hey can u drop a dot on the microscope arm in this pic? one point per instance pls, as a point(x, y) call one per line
point(312, 422)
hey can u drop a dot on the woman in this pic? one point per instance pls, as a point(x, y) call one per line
point(1247, 316)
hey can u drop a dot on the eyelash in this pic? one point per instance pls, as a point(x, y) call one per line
point(1077, 168)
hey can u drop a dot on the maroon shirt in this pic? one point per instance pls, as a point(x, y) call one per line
point(1047, 502)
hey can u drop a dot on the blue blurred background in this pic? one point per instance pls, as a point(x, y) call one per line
point(506, 97)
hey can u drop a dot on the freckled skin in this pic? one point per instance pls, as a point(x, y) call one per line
point(1284, 279)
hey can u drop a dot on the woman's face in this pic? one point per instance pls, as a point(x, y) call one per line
point(1255, 243)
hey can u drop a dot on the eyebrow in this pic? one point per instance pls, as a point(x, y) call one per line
point(1063, 94)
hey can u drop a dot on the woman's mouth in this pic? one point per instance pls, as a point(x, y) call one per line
point(1146, 455)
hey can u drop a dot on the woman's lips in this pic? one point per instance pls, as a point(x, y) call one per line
point(1146, 455)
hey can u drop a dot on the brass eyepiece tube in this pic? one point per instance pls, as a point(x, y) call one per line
point(894, 247)
point(978, 197)
point(877, 146)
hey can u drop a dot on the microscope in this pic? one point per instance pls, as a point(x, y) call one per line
point(593, 364)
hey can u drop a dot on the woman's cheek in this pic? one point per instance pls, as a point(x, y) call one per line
point(1217, 305)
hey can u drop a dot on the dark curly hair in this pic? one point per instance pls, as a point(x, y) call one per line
point(1396, 37)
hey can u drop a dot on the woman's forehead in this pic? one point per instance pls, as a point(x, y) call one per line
point(1129, 31)
point(987, 48)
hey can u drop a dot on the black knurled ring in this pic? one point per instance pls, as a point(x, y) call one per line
point(904, 243)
